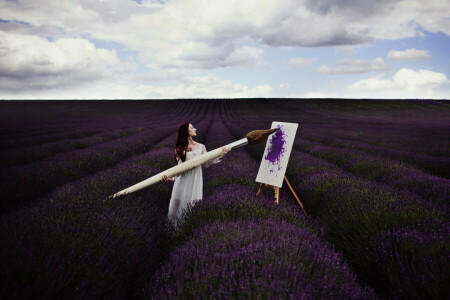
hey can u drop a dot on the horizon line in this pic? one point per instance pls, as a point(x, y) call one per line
point(237, 98)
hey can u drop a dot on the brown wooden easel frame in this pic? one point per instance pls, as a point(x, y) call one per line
point(277, 192)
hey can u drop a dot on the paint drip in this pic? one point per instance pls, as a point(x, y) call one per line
point(276, 149)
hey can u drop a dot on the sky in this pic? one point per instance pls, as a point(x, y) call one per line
point(156, 49)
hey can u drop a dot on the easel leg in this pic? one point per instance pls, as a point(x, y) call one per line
point(277, 194)
point(295, 195)
point(275, 189)
point(261, 187)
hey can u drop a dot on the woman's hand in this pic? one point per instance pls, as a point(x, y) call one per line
point(165, 178)
point(224, 151)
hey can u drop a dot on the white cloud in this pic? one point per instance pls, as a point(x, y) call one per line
point(406, 83)
point(409, 54)
point(207, 87)
point(300, 62)
point(162, 75)
point(206, 34)
point(185, 87)
point(353, 66)
point(72, 16)
point(346, 49)
point(373, 84)
point(198, 56)
point(284, 86)
point(30, 62)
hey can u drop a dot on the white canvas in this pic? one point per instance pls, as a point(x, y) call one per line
point(276, 154)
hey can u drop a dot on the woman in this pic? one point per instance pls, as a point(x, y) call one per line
point(188, 186)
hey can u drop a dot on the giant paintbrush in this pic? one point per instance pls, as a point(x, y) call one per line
point(253, 137)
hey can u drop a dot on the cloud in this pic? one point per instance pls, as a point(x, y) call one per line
point(353, 66)
point(409, 54)
point(30, 62)
point(161, 75)
point(206, 87)
point(198, 56)
point(206, 35)
point(118, 88)
point(406, 82)
point(75, 16)
point(385, 19)
point(345, 49)
point(300, 62)
point(354, 7)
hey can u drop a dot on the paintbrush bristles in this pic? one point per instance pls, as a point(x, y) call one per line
point(257, 136)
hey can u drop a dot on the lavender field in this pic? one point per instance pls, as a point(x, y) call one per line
point(373, 176)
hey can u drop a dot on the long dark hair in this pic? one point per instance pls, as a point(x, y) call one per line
point(181, 143)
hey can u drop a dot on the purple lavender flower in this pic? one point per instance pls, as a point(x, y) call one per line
point(255, 259)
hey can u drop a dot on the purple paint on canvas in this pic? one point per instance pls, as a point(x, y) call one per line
point(276, 148)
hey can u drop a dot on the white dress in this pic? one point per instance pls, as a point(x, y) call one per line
point(188, 186)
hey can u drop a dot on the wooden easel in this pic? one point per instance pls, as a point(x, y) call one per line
point(277, 192)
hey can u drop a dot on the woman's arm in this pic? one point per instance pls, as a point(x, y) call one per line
point(213, 161)
point(165, 177)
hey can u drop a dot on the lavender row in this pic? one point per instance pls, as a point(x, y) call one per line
point(27, 183)
point(254, 259)
point(381, 139)
point(355, 211)
point(387, 171)
point(438, 165)
point(20, 130)
point(412, 251)
point(26, 155)
point(365, 139)
point(237, 201)
point(385, 131)
point(321, 122)
point(402, 131)
point(79, 129)
point(71, 121)
point(33, 140)
point(424, 145)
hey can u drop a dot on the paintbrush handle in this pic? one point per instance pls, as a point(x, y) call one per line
point(238, 143)
point(174, 171)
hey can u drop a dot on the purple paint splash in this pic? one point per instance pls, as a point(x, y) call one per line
point(276, 148)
